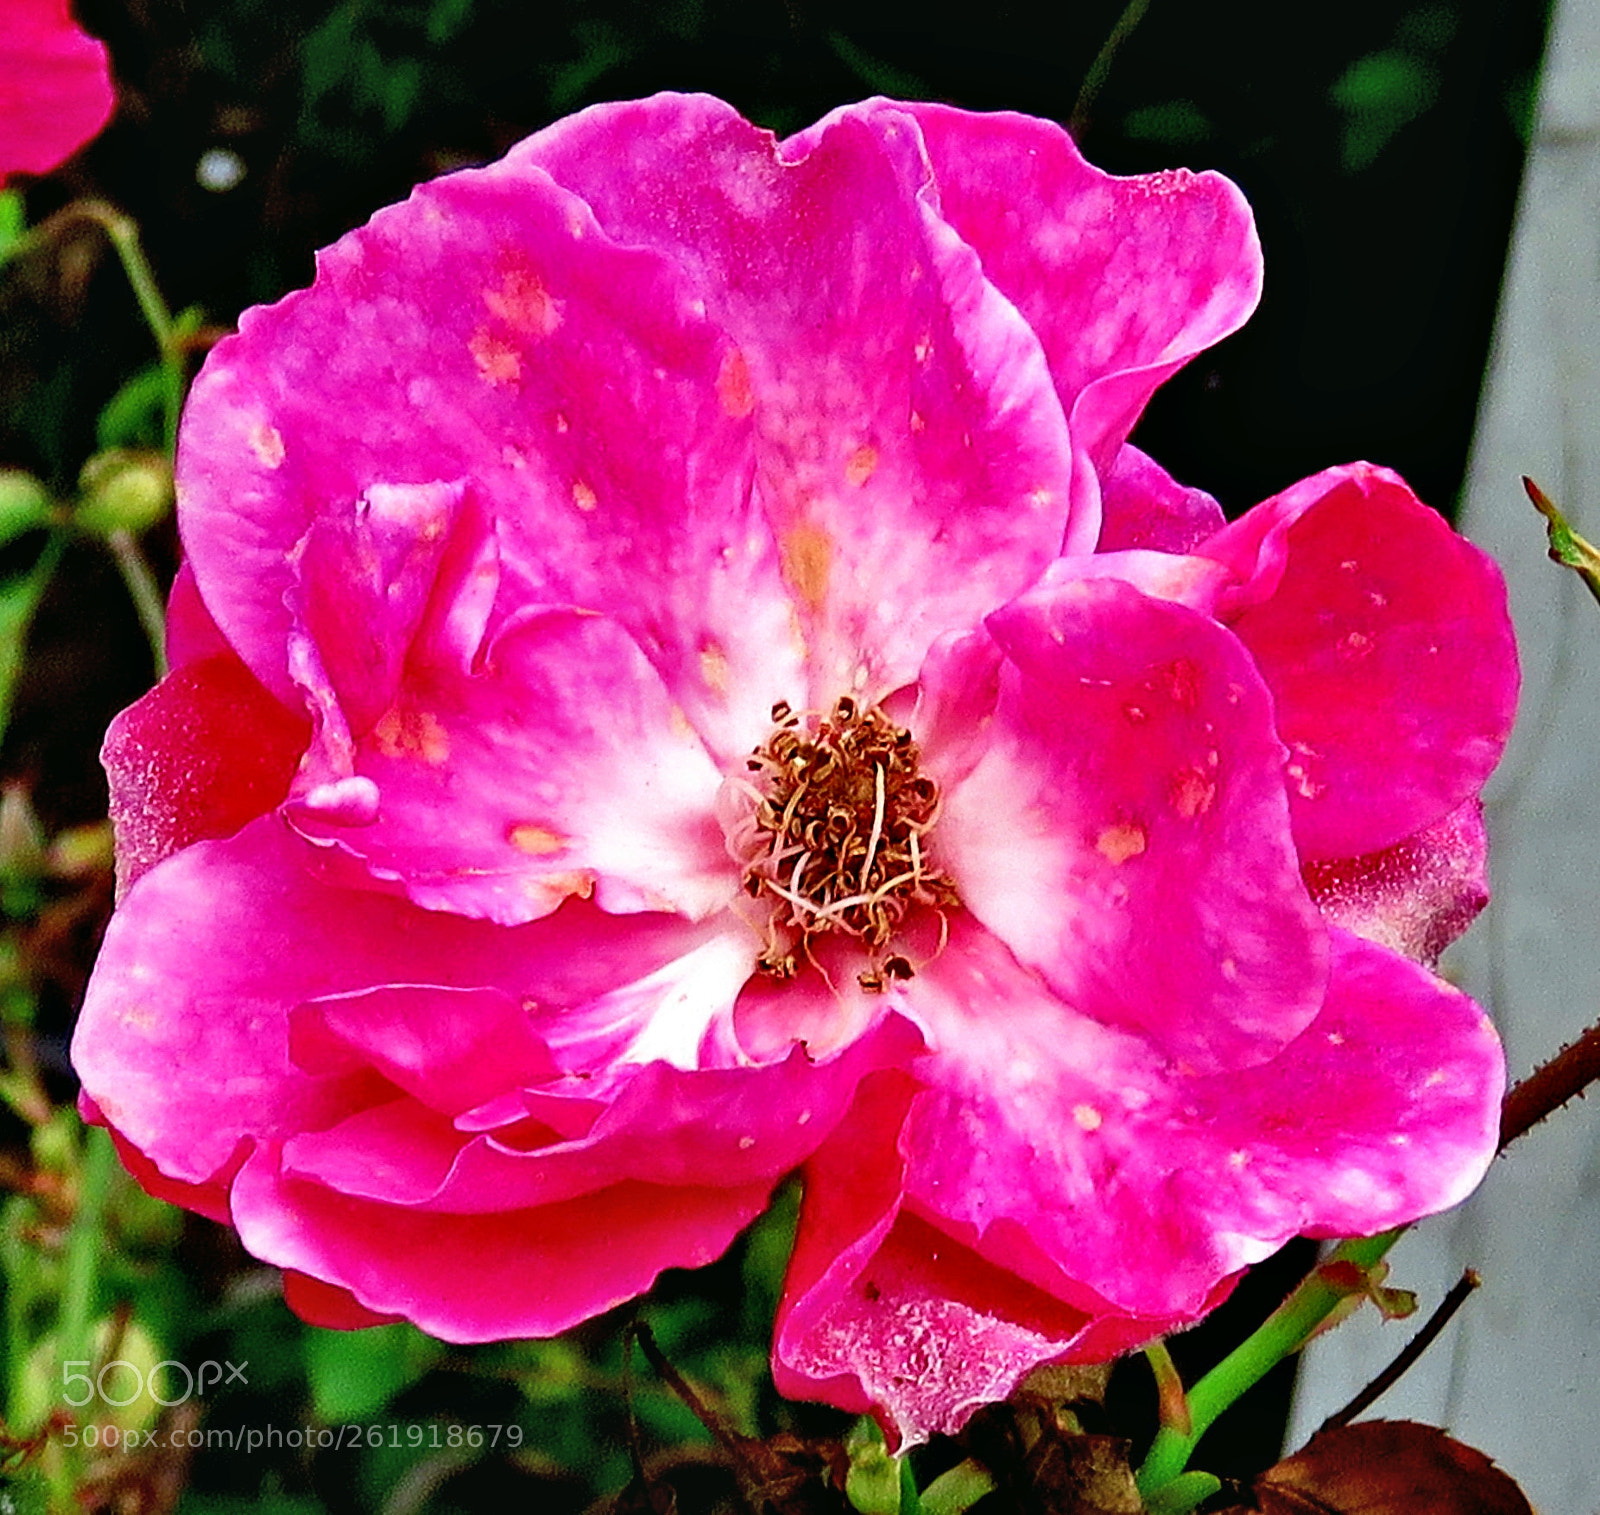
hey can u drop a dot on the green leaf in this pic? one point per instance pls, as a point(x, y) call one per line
point(446, 18)
point(356, 1373)
point(1379, 94)
point(135, 414)
point(1566, 546)
point(24, 1494)
point(1175, 123)
point(13, 220)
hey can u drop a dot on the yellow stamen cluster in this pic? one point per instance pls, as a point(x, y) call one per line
point(841, 816)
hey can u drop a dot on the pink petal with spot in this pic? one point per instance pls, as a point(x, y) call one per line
point(365, 581)
point(1124, 280)
point(1387, 1108)
point(910, 451)
point(209, 954)
point(487, 1277)
point(1079, 1159)
point(1143, 506)
point(203, 753)
point(1387, 645)
point(497, 336)
point(1415, 897)
point(1126, 833)
point(55, 87)
point(881, 1312)
point(1031, 1146)
point(852, 1198)
point(561, 768)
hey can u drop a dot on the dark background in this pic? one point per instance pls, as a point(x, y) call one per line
point(1380, 143)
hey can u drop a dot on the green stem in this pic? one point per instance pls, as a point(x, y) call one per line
point(20, 1265)
point(1283, 1333)
point(145, 594)
point(123, 234)
point(85, 1247)
point(1100, 69)
point(957, 1489)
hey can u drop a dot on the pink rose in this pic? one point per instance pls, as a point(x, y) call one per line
point(650, 713)
point(55, 88)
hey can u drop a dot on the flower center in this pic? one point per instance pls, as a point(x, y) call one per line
point(838, 834)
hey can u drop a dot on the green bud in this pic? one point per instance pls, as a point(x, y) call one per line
point(80, 851)
point(123, 490)
point(21, 836)
point(113, 1388)
point(872, 1482)
point(24, 504)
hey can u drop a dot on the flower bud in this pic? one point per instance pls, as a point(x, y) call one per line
point(24, 503)
point(123, 490)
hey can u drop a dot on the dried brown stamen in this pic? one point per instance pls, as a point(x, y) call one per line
point(836, 838)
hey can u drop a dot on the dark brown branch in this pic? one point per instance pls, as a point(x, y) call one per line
point(1550, 1086)
point(732, 1441)
point(1407, 1355)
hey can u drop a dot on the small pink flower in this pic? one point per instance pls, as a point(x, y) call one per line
point(55, 87)
point(650, 713)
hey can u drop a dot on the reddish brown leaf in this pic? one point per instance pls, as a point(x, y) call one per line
point(1388, 1467)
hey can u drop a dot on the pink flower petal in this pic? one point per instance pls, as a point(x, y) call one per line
point(881, 1312)
point(1415, 897)
point(488, 1277)
point(561, 768)
point(324, 1305)
point(1142, 505)
point(191, 633)
point(911, 454)
point(655, 1124)
point(1124, 280)
point(210, 953)
point(495, 335)
point(1387, 1108)
point(1141, 1187)
point(1060, 1193)
point(449, 1049)
point(366, 580)
point(852, 1198)
point(930, 1332)
point(1126, 832)
point(207, 750)
point(209, 1199)
point(55, 87)
point(1386, 642)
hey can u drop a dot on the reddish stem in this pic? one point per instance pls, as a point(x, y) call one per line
point(1550, 1086)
